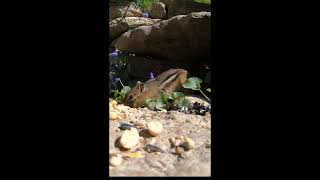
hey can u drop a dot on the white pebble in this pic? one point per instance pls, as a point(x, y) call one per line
point(154, 128)
point(129, 138)
point(115, 160)
point(114, 103)
point(113, 115)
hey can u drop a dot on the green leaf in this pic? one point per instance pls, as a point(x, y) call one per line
point(159, 104)
point(147, 101)
point(125, 89)
point(116, 93)
point(164, 98)
point(209, 89)
point(178, 95)
point(203, 1)
point(119, 98)
point(151, 105)
point(193, 83)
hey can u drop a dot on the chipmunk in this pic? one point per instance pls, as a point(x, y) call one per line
point(167, 82)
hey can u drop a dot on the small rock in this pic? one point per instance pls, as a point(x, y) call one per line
point(180, 137)
point(179, 150)
point(177, 142)
point(114, 103)
point(110, 107)
point(154, 128)
point(129, 138)
point(189, 143)
point(113, 115)
point(115, 160)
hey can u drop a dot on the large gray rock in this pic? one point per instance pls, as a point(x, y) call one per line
point(158, 11)
point(184, 38)
point(118, 27)
point(183, 7)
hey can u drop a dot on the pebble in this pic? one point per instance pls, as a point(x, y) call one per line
point(113, 115)
point(129, 138)
point(114, 103)
point(179, 150)
point(177, 142)
point(154, 128)
point(180, 137)
point(110, 107)
point(115, 160)
point(189, 143)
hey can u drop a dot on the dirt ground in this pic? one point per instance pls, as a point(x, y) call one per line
point(193, 162)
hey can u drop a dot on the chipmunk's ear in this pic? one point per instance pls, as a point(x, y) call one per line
point(140, 86)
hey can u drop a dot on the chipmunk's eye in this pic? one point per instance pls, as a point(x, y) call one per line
point(130, 97)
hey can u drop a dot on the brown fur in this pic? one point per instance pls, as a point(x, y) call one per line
point(167, 82)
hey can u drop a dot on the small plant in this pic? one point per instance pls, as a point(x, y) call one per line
point(145, 5)
point(194, 84)
point(175, 101)
point(203, 1)
point(119, 95)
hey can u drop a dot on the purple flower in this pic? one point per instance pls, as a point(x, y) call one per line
point(115, 53)
point(151, 76)
point(116, 80)
point(146, 15)
point(114, 56)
